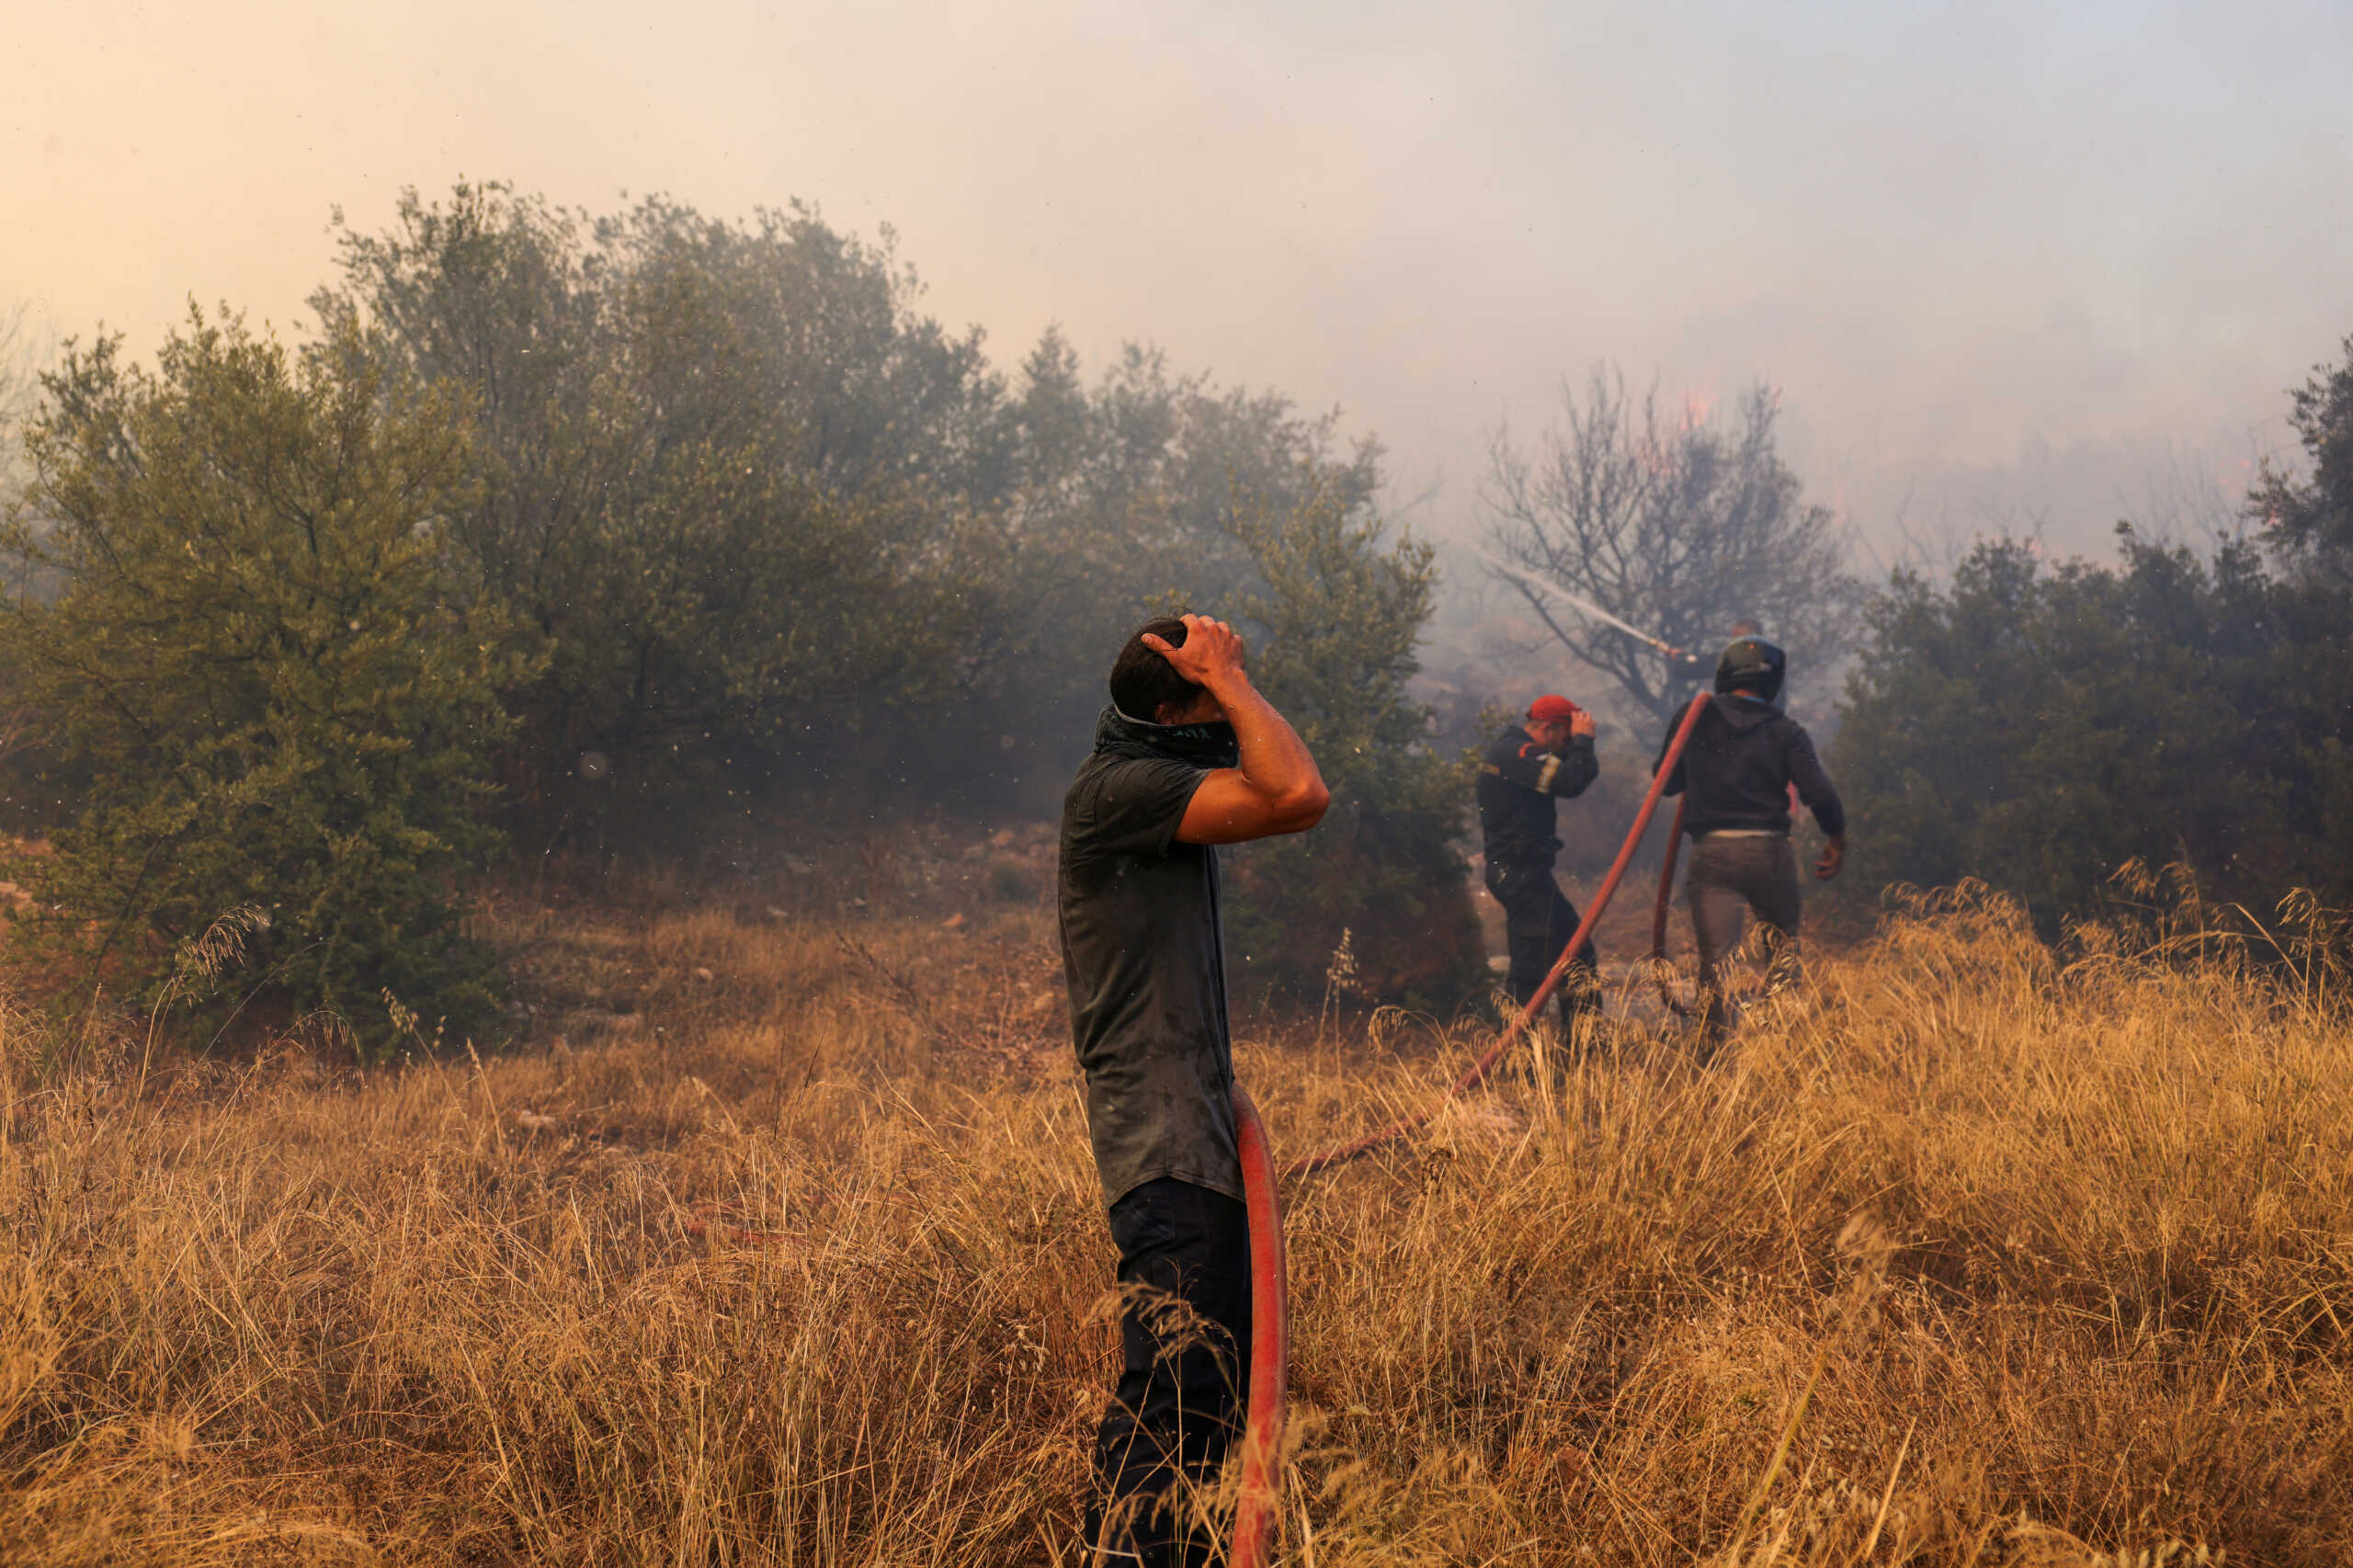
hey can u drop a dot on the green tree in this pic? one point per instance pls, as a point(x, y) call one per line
point(2037, 726)
point(1134, 491)
point(261, 685)
point(734, 484)
point(1336, 621)
point(772, 528)
point(2308, 517)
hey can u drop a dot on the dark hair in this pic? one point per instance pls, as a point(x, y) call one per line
point(1141, 681)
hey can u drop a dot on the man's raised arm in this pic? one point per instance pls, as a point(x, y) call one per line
point(1276, 788)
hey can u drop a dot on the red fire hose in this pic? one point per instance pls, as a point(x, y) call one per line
point(1309, 1164)
point(1262, 1438)
point(1673, 1004)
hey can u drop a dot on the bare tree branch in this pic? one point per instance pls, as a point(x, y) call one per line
point(1672, 522)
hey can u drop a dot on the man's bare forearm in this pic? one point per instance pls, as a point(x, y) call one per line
point(1274, 759)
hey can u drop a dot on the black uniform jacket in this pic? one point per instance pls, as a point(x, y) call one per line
point(1517, 784)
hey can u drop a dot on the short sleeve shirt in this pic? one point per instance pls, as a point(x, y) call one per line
point(1144, 957)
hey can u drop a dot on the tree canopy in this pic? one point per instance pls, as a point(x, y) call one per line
point(1341, 613)
point(2038, 724)
point(264, 683)
point(605, 528)
point(2308, 515)
point(767, 523)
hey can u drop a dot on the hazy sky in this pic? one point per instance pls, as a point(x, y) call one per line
point(2003, 259)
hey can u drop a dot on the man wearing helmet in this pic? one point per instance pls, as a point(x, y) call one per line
point(1736, 773)
point(1686, 671)
point(1530, 766)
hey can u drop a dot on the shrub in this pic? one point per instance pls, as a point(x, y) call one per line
point(257, 683)
point(2038, 725)
point(1338, 620)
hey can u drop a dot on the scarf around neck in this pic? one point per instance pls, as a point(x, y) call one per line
point(1197, 745)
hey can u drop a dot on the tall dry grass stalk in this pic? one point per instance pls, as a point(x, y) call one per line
point(1960, 1256)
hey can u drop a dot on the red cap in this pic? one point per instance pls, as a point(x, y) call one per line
point(1552, 709)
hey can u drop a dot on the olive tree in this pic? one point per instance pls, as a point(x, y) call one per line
point(258, 684)
point(1337, 617)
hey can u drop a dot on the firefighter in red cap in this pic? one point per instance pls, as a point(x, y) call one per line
point(1548, 757)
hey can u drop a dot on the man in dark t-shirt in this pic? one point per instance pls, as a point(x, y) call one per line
point(1187, 756)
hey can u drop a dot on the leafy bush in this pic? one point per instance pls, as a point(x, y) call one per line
point(1337, 620)
point(2039, 726)
point(776, 533)
point(2042, 725)
point(727, 474)
point(258, 683)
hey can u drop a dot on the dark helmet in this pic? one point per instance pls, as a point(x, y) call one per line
point(1752, 664)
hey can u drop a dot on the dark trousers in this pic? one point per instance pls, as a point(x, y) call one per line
point(1184, 1372)
point(1731, 876)
point(1538, 920)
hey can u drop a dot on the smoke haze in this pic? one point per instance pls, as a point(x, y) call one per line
point(2012, 265)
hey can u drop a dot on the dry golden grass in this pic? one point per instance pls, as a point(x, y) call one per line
point(1960, 1257)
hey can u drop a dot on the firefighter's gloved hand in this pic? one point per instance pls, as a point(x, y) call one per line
point(1834, 856)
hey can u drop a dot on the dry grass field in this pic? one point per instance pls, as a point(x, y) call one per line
point(778, 1243)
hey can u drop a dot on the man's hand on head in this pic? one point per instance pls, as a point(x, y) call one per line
point(1214, 652)
point(1276, 787)
point(1556, 736)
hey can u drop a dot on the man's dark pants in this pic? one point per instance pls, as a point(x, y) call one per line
point(1185, 1352)
point(1731, 875)
point(1538, 920)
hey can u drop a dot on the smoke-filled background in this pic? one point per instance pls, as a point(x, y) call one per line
point(743, 434)
point(556, 562)
point(2010, 264)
